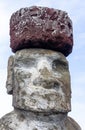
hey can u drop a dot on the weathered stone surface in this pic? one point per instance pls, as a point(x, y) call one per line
point(25, 120)
point(9, 83)
point(41, 81)
point(41, 27)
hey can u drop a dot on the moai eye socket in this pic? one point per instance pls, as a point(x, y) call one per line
point(59, 65)
point(26, 62)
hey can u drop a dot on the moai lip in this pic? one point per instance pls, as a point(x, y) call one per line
point(40, 83)
point(39, 79)
point(41, 27)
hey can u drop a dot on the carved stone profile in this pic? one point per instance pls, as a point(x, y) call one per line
point(38, 75)
point(39, 81)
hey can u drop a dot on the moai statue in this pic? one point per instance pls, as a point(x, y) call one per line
point(38, 74)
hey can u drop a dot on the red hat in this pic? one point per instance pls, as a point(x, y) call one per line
point(41, 27)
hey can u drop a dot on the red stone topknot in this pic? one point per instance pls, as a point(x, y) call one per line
point(41, 27)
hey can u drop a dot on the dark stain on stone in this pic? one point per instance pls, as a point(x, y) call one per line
point(21, 117)
point(23, 93)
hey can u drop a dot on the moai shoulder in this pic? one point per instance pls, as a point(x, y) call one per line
point(38, 73)
point(15, 121)
point(40, 83)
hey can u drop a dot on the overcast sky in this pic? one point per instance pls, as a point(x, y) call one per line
point(76, 11)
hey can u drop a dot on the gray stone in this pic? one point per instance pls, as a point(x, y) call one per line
point(9, 83)
point(25, 120)
point(41, 81)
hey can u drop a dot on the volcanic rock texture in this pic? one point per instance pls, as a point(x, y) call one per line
point(41, 27)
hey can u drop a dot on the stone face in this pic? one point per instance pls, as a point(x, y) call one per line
point(25, 120)
point(41, 27)
point(38, 74)
point(41, 81)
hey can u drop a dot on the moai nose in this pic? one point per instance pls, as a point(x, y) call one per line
point(44, 67)
point(43, 62)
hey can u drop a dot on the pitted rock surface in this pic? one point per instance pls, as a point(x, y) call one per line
point(40, 81)
point(25, 120)
point(41, 27)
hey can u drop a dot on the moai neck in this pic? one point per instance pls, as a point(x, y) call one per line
point(41, 89)
point(38, 73)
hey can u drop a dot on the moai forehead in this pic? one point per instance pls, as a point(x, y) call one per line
point(41, 27)
point(41, 81)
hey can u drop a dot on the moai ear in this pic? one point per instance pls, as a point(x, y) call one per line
point(10, 74)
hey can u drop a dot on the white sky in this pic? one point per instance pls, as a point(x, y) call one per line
point(76, 11)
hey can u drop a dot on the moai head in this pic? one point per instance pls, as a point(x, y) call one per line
point(38, 74)
point(39, 80)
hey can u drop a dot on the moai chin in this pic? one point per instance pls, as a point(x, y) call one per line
point(38, 74)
